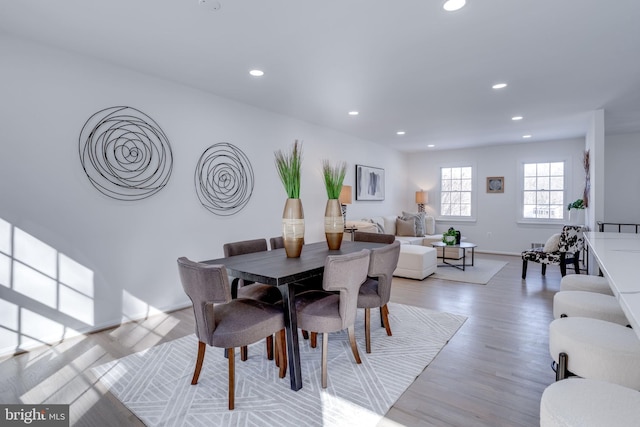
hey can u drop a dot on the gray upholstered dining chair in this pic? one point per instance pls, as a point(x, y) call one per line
point(258, 291)
point(225, 322)
point(362, 236)
point(376, 290)
point(324, 312)
point(276, 242)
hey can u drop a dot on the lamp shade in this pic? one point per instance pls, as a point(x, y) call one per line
point(422, 197)
point(345, 195)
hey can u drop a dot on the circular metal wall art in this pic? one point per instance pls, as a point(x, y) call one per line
point(224, 179)
point(125, 154)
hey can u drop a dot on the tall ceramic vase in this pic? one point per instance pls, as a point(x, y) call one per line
point(293, 227)
point(333, 224)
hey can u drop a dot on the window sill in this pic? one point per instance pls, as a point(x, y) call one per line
point(450, 219)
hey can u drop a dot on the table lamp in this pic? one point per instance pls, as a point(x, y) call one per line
point(422, 198)
point(345, 199)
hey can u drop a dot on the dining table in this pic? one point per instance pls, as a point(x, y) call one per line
point(276, 269)
point(618, 255)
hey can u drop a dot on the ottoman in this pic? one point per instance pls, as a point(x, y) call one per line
point(595, 349)
point(589, 403)
point(416, 262)
point(588, 304)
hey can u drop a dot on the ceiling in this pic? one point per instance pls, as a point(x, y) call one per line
point(403, 64)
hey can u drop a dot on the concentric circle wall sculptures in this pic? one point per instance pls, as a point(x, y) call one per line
point(125, 154)
point(224, 179)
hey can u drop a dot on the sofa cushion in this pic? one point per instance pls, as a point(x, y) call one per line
point(418, 217)
point(429, 225)
point(405, 227)
point(390, 224)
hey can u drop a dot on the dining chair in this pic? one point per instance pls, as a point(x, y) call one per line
point(276, 242)
point(244, 289)
point(376, 290)
point(362, 236)
point(225, 322)
point(324, 312)
point(560, 249)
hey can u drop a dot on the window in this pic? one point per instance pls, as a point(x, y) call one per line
point(543, 192)
point(455, 191)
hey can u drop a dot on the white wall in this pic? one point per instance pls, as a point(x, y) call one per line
point(622, 198)
point(119, 258)
point(496, 228)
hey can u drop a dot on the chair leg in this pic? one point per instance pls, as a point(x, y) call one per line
point(305, 334)
point(354, 346)
point(232, 378)
point(524, 268)
point(385, 319)
point(544, 269)
point(314, 340)
point(281, 352)
point(244, 353)
point(202, 347)
point(382, 317)
point(367, 328)
point(325, 346)
point(561, 369)
point(269, 344)
point(576, 262)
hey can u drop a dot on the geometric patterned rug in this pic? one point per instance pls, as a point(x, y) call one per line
point(156, 384)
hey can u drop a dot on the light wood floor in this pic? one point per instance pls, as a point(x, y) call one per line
point(491, 373)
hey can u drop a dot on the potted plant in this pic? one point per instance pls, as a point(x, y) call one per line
point(577, 217)
point(449, 236)
point(333, 219)
point(288, 165)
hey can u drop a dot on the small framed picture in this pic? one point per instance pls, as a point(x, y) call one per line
point(495, 184)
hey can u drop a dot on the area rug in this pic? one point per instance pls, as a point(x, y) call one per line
point(480, 273)
point(155, 384)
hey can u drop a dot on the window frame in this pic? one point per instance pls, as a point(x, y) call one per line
point(566, 190)
point(474, 193)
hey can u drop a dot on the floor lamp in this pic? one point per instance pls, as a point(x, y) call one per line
point(345, 199)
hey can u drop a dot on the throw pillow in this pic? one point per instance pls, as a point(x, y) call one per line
point(552, 243)
point(430, 225)
point(418, 217)
point(405, 227)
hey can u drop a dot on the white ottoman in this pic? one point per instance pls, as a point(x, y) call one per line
point(588, 304)
point(596, 349)
point(585, 282)
point(589, 403)
point(416, 262)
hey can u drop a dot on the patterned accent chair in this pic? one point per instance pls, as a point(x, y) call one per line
point(570, 243)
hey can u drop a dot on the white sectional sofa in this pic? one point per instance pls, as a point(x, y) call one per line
point(388, 225)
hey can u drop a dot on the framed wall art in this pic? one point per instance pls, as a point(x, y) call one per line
point(495, 184)
point(369, 183)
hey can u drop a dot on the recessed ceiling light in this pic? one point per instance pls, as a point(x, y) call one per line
point(514, 118)
point(353, 113)
point(526, 136)
point(430, 146)
point(256, 73)
point(210, 4)
point(400, 132)
point(499, 86)
point(453, 5)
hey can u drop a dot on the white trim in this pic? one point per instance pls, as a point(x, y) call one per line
point(568, 174)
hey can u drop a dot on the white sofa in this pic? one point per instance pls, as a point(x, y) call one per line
point(387, 225)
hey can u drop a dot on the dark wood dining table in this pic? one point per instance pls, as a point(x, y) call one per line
point(274, 268)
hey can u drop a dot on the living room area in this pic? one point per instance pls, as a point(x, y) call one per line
point(88, 276)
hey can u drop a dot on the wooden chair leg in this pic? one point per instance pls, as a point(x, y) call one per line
point(232, 378)
point(325, 347)
point(244, 353)
point(305, 334)
point(367, 329)
point(202, 347)
point(385, 319)
point(269, 344)
point(354, 346)
point(281, 352)
point(524, 268)
point(314, 340)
